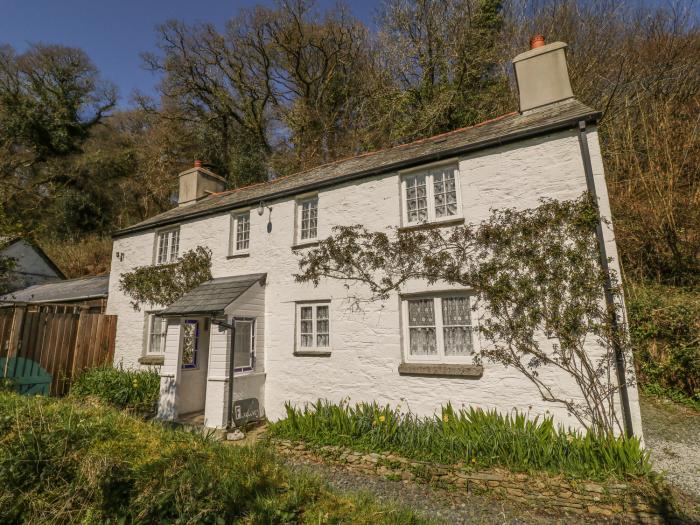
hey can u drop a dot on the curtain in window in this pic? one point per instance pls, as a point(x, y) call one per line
point(416, 198)
point(243, 232)
point(159, 326)
point(306, 330)
point(421, 322)
point(456, 320)
point(309, 219)
point(445, 193)
point(322, 339)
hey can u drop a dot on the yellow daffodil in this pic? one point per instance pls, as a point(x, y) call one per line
point(381, 419)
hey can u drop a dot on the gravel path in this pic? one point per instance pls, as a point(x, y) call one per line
point(442, 506)
point(672, 434)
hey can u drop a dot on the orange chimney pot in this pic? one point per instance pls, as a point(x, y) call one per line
point(536, 41)
point(197, 163)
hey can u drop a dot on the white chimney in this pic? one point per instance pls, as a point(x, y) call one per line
point(197, 183)
point(542, 75)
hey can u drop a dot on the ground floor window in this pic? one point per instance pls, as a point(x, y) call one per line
point(438, 328)
point(157, 331)
point(313, 325)
point(190, 343)
point(244, 345)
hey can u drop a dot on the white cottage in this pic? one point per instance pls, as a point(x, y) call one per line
point(297, 343)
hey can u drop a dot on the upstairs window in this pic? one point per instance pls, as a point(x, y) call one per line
point(431, 196)
point(308, 219)
point(438, 329)
point(167, 246)
point(240, 228)
point(313, 326)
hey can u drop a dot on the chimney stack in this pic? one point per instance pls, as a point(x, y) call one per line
point(542, 74)
point(197, 183)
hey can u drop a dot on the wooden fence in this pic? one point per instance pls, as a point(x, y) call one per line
point(43, 348)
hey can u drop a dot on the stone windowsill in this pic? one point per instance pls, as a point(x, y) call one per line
point(301, 245)
point(312, 353)
point(238, 255)
point(435, 224)
point(155, 360)
point(441, 370)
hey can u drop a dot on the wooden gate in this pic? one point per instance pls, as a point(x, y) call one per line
point(43, 348)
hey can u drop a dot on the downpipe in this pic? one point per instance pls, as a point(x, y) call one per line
point(609, 297)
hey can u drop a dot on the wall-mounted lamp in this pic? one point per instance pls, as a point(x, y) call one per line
point(261, 208)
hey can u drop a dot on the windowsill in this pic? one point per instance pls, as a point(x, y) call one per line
point(313, 353)
point(454, 221)
point(238, 255)
point(441, 370)
point(154, 360)
point(305, 244)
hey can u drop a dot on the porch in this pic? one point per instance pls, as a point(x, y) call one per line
point(215, 334)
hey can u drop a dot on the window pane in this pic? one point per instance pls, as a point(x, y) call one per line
point(174, 244)
point(242, 344)
point(306, 328)
point(162, 248)
point(190, 343)
point(421, 312)
point(322, 326)
point(416, 198)
point(456, 319)
point(445, 193)
point(158, 328)
point(422, 341)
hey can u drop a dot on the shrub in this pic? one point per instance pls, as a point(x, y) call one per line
point(62, 461)
point(474, 437)
point(126, 389)
point(665, 331)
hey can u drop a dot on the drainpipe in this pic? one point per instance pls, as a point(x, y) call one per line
point(609, 298)
point(231, 327)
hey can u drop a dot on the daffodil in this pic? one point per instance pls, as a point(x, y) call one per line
point(381, 419)
point(445, 418)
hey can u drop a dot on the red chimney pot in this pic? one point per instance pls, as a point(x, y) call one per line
point(536, 41)
point(197, 163)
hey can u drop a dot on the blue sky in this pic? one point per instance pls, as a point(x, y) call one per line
point(115, 32)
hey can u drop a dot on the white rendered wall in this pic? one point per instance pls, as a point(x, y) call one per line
point(366, 345)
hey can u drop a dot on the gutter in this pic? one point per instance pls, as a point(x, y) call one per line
point(416, 161)
point(609, 298)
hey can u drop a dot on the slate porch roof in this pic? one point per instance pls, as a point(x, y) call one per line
point(501, 130)
point(213, 296)
point(61, 291)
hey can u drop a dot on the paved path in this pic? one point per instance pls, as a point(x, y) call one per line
point(672, 434)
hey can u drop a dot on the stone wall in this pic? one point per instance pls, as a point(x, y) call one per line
point(626, 502)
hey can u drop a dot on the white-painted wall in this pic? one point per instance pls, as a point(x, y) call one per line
point(366, 345)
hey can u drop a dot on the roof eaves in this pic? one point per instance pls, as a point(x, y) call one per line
point(535, 131)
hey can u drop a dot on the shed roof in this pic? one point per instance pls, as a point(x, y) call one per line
point(507, 128)
point(213, 296)
point(61, 291)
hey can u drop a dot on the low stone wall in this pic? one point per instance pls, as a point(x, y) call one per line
point(618, 501)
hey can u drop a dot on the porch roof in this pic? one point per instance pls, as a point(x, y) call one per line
point(213, 296)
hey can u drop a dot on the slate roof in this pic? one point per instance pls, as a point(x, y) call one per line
point(507, 128)
point(213, 296)
point(61, 291)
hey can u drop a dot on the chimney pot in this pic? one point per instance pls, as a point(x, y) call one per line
point(197, 163)
point(536, 41)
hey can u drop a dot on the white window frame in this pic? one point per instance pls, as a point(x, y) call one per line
point(233, 241)
point(440, 357)
point(314, 305)
point(170, 257)
point(299, 217)
point(251, 363)
point(429, 173)
point(150, 319)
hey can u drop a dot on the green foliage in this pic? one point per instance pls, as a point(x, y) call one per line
point(164, 284)
point(665, 330)
point(132, 390)
point(65, 462)
point(477, 438)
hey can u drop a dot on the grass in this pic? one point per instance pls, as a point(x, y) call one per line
point(136, 391)
point(71, 461)
point(474, 437)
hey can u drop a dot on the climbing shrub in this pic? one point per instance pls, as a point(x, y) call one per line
point(166, 283)
point(125, 389)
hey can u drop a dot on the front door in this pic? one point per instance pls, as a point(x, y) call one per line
point(194, 358)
